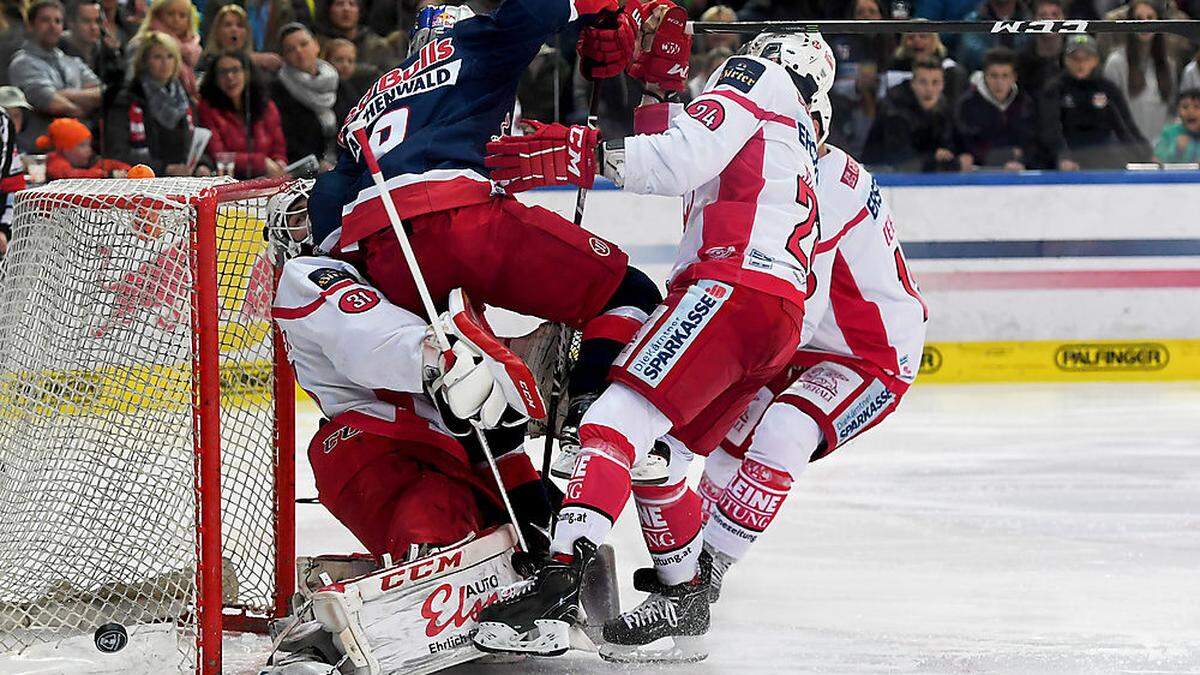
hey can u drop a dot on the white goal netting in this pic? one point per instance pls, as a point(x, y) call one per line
point(98, 446)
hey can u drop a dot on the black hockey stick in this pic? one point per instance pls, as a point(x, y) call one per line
point(1185, 27)
point(569, 340)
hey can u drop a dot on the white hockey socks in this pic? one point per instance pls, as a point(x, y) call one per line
point(779, 452)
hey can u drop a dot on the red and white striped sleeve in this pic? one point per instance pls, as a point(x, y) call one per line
point(331, 318)
point(702, 138)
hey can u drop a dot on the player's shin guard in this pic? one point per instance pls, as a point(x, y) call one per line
point(602, 340)
point(747, 506)
point(670, 519)
point(617, 432)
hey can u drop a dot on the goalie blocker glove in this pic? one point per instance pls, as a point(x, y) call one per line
point(479, 379)
point(553, 154)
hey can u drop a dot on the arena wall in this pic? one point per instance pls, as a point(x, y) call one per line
point(1053, 277)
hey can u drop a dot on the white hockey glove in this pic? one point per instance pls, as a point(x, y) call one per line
point(480, 379)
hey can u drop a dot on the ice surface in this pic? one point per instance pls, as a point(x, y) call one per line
point(982, 529)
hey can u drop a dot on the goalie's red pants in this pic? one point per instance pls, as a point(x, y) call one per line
point(393, 484)
point(503, 253)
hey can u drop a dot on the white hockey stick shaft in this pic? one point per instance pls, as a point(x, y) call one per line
point(360, 134)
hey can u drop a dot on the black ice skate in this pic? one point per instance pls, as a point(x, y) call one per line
point(668, 627)
point(535, 616)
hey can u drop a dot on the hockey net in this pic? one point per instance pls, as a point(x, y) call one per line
point(145, 430)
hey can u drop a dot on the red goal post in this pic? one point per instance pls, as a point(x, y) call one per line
point(146, 417)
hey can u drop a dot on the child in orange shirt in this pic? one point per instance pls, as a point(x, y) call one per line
point(73, 156)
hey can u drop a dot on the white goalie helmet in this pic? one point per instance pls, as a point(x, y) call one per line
point(806, 56)
point(821, 109)
point(288, 230)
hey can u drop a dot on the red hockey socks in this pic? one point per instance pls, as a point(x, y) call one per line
point(746, 507)
point(597, 491)
point(670, 518)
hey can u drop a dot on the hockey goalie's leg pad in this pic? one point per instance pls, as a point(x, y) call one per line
point(418, 617)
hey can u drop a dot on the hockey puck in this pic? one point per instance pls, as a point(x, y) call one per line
point(111, 638)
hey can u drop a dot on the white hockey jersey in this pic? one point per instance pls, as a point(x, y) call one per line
point(352, 350)
point(865, 303)
point(743, 157)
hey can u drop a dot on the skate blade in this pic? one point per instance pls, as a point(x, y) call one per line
point(548, 638)
point(500, 657)
point(679, 649)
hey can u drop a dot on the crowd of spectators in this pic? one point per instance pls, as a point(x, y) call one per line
point(925, 102)
point(272, 79)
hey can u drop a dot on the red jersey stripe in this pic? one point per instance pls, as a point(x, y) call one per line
point(753, 108)
point(859, 319)
point(831, 244)
point(304, 310)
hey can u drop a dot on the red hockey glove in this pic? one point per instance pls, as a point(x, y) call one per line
point(663, 45)
point(552, 155)
point(606, 48)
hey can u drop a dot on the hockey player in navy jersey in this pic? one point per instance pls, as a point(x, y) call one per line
point(428, 121)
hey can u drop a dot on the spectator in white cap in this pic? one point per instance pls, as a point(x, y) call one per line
point(13, 108)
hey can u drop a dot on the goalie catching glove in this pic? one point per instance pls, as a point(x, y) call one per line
point(479, 379)
point(553, 154)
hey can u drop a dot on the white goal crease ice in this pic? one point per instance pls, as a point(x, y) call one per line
point(140, 481)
